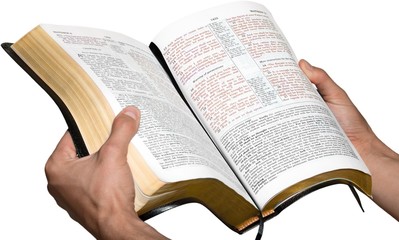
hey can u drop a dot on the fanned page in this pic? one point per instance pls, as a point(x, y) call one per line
point(174, 145)
point(239, 74)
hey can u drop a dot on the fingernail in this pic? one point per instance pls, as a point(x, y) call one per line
point(131, 112)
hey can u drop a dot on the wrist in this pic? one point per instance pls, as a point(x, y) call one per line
point(379, 151)
point(125, 226)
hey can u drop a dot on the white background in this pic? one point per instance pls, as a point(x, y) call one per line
point(355, 41)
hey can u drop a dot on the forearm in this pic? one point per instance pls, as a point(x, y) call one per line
point(384, 167)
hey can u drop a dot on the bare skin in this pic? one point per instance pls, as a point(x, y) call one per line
point(98, 190)
point(382, 162)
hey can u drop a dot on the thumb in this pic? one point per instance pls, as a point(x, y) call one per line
point(306, 68)
point(324, 84)
point(124, 127)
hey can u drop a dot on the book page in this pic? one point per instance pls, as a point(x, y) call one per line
point(174, 145)
point(241, 77)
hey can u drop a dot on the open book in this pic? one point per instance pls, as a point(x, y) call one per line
point(228, 118)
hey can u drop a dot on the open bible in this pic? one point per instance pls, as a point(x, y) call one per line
point(228, 118)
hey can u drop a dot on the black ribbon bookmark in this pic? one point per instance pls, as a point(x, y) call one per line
point(260, 228)
point(353, 190)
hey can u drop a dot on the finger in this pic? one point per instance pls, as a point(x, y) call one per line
point(65, 149)
point(124, 127)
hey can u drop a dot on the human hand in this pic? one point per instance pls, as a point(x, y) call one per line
point(97, 191)
point(382, 162)
point(353, 123)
